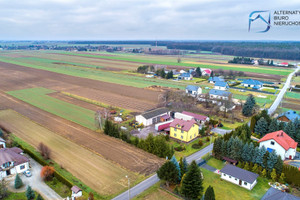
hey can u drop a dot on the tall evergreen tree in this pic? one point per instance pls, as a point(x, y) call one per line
point(224, 148)
point(251, 152)
point(278, 165)
point(281, 126)
point(175, 162)
point(259, 157)
point(245, 155)
point(217, 147)
point(18, 182)
point(272, 159)
point(183, 166)
point(265, 159)
point(229, 145)
point(252, 123)
point(168, 173)
point(192, 183)
point(209, 193)
point(39, 197)
point(248, 106)
point(273, 126)
point(30, 193)
point(290, 129)
point(261, 127)
point(198, 71)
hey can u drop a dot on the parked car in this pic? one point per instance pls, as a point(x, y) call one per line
point(27, 173)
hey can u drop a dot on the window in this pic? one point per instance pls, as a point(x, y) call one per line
point(195, 135)
point(190, 137)
point(229, 176)
point(5, 165)
point(22, 167)
point(181, 131)
point(181, 137)
point(224, 174)
point(175, 129)
point(245, 183)
point(235, 179)
point(193, 125)
point(175, 135)
point(272, 143)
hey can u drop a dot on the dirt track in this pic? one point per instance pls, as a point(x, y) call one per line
point(15, 77)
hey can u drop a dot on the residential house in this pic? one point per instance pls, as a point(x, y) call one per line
point(12, 161)
point(215, 79)
point(185, 76)
point(76, 191)
point(193, 90)
point(288, 116)
point(220, 85)
point(274, 194)
point(284, 145)
point(184, 130)
point(238, 176)
point(219, 94)
point(254, 84)
point(205, 72)
point(2, 143)
point(201, 119)
point(153, 116)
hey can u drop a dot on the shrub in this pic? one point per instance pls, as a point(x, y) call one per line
point(44, 150)
point(196, 146)
point(200, 143)
point(179, 148)
point(207, 139)
point(47, 173)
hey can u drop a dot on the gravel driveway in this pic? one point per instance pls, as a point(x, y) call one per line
point(35, 182)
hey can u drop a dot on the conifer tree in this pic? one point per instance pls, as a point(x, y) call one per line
point(209, 193)
point(282, 178)
point(29, 193)
point(18, 182)
point(273, 126)
point(261, 127)
point(175, 162)
point(274, 175)
point(264, 173)
point(192, 183)
point(168, 173)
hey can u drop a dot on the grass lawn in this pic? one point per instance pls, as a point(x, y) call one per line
point(38, 97)
point(227, 191)
point(18, 196)
point(188, 147)
point(218, 164)
point(155, 193)
point(59, 188)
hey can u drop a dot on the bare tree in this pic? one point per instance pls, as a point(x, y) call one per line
point(44, 150)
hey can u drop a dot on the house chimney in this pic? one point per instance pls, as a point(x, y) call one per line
point(282, 133)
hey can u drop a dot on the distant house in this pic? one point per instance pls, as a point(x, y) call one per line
point(219, 94)
point(2, 143)
point(193, 90)
point(76, 191)
point(274, 194)
point(12, 162)
point(205, 72)
point(184, 130)
point(189, 116)
point(215, 79)
point(254, 84)
point(185, 76)
point(152, 116)
point(284, 145)
point(288, 116)
point(238, 176)
point(220, 85)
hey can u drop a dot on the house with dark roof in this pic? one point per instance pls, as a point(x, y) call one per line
point(274, 194)
point(279, 141)
point(238, 176)
point(215, 79)
point(219, 94)
point(254, 84)
point(288, 116)
point(221, 85)
point(184, 130)
point(12, 161)
point(193, 90)
point(153, 116)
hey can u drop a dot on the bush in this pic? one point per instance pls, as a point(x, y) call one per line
point(200, 143)
point(179, 148)
point(196, 146)
point(47, 173)
point(207, 139)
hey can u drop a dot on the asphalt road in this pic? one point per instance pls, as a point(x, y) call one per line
point(139, 188)
point(279, 97)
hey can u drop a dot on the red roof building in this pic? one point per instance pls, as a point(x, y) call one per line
point(284, 145)
point(183, 124)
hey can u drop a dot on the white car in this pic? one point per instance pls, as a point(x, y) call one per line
point(27, 173)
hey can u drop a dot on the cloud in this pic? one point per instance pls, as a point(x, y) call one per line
point(136, 19)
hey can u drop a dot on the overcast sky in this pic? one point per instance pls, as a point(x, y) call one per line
point(139, 20)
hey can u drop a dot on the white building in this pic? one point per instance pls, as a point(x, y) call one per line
point(193, 90)
point(201, 119)
point(279, 141)
point(76, 192)
point(2, 143)
point(153, 116)
point(12, 162)
point(220, 85)
point(238, 176)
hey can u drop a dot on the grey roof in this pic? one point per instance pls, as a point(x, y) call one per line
point(153, 113)
point(239, 173)
point(9, 155)
point(274, 194)
point(219, 92)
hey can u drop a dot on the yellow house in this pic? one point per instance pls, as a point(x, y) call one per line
point(184, 130)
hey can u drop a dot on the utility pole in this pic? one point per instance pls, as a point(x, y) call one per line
point(128, 186)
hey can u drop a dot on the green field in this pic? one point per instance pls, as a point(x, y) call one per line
point(38, 97)
point(263, 70)
point(226, 191)
point(293, 95)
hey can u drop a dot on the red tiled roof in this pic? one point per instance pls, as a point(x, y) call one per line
point(281, 138)
point(207, 71)
point(196, 116)
point(185, 125)
point(284, 63)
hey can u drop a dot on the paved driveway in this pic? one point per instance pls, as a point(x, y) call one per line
point(35, 182)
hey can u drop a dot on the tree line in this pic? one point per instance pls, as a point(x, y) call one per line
point(156, 145)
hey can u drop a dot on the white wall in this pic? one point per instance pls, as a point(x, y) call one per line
point(179, 115)
point(237, 181)
point(219, 88)
point(19, 170)
point(279, 149)
point(4, 144)
point(79, 194)
point(140, 119)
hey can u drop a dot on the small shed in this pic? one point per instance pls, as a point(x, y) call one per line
point(76, 191)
